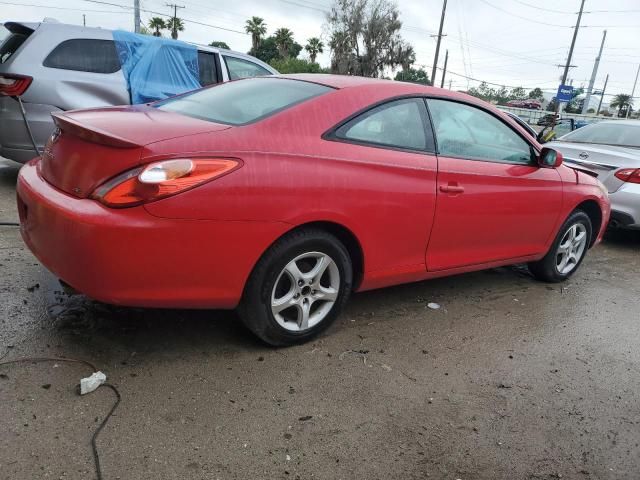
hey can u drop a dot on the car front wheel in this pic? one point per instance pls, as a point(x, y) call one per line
point(567, 251)
point(297, 288)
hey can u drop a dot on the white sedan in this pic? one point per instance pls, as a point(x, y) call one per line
point(609, 150)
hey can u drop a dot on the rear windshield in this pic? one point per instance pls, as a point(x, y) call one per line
point(619, 134)
point(243, 101)
point(10, 45)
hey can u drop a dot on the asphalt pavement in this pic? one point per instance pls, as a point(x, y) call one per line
point(509, 379)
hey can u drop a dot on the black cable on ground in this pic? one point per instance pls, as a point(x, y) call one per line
point(94, 447)
point(9, 224)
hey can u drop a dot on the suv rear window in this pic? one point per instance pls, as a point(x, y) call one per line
point(243, 101)
point(10, 45)
point(85, 55)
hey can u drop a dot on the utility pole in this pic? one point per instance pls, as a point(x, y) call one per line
point(632, 93)
point(568, 64)
point(585, 105)
point(435, 59)
point(136, 16)
point(84, 20)
point(604, 89)
point(174, 30)
point(450, 84)
point(444, 71)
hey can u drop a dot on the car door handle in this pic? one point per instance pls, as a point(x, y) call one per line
point(451, 188)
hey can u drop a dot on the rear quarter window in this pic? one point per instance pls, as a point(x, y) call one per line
point(10, 45)
point(85, 55)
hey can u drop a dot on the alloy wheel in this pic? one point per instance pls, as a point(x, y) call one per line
point(571, 248)
point(305, 291)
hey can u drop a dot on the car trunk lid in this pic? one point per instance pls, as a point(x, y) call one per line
point(600, 160)
point(91, 146)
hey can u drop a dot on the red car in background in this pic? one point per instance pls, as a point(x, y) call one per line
point(282, 195)
point(529, 103)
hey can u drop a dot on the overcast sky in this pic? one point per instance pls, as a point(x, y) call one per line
point(507, 42)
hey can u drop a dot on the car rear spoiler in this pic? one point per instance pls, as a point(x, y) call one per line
point(21, 28)
point(91, 134)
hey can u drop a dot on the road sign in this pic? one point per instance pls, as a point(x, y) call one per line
point(565, 93)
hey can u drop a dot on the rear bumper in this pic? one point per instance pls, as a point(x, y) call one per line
point(625, 206)
point(129, 257)
point(15, 143)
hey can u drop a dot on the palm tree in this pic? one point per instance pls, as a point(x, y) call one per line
point(257, 28)
point(157, 24)
point(621, 101)
point(284, 40)
point(406, 56)
point(176, 25)
point(314, 46)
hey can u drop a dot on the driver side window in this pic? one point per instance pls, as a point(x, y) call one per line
point(464, 131)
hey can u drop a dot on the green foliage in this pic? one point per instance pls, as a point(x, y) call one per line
point(536, 94)
point(156, 24)
point(257, 29)
point(175, 25)
point(575, 105)
point(219, 44)
point(502, 95)
point(365, 38)
point(284, 41)
point(314, 46)
point(296, 65)
point(268, 51)
point(622, 101)
point(413, 75)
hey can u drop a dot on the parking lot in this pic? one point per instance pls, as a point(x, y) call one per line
point(509, 379)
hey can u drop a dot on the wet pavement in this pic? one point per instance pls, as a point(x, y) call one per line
point(509, 379)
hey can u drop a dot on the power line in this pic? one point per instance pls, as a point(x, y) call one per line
point(525, 18)
point(162, 14)
point(60, 8)
point(564, 12)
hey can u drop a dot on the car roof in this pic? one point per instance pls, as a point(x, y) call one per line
point(390, 87)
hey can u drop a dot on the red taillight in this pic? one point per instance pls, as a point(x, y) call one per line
point(160, 180)
point(631, 175)
point(14, 85)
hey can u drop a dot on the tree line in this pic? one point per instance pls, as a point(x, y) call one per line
point(363, 37)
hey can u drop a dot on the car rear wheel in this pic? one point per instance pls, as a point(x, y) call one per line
point(568, 250)
point(297, 288)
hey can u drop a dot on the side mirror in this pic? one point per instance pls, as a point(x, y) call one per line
point(549, 158)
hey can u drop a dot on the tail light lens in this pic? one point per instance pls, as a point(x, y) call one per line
point(161, 180)
point(631, 175)
point(14, 85)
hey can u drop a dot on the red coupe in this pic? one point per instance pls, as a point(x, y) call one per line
point(282, 195)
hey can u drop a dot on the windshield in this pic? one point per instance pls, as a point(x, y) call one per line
point(243, 101)
point(624, 135)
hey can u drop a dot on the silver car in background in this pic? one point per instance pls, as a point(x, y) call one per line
point(50, 66)
point(609, 150)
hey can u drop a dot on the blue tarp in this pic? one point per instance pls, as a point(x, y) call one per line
point(156, 68)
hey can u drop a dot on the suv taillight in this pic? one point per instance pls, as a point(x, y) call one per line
point(631, 175)
point(14, 85)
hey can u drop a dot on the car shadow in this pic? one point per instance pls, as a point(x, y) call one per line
point(627, 239)
point(90, 329)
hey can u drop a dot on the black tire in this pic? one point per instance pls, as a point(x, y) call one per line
point(547, 268)
point(255, 308)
